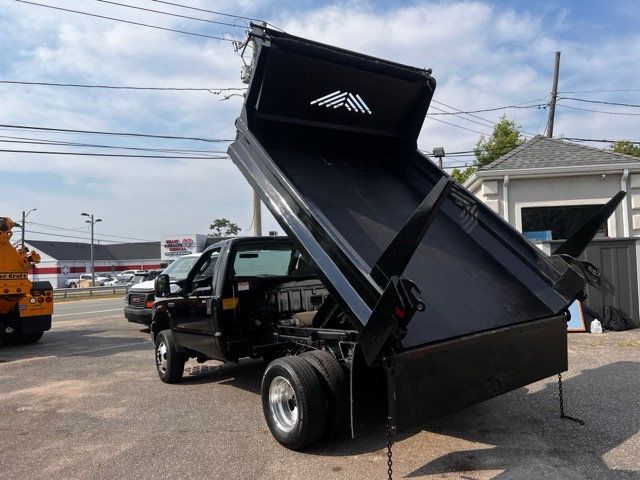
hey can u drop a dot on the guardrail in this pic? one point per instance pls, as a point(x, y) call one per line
point(88, 291)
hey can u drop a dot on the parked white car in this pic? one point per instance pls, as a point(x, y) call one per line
point(85, 277)
point(127, 274)
point(114, 282)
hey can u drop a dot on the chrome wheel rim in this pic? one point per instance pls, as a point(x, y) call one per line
point(283, 404)
point(161, 357)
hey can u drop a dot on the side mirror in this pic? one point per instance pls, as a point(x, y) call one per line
point(162, 285)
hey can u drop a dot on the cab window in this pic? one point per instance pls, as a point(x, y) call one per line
point(263, 260)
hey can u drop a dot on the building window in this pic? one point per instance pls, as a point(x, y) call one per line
point(558, 223)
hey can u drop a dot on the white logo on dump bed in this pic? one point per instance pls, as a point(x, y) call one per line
point(353, 103)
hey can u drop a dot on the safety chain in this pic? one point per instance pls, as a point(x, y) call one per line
point(390, 432)
point(562, 415)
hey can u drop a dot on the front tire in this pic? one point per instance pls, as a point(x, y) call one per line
point(169, 362)
point(293, 402)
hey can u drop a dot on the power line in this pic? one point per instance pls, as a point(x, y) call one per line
point(457, 126)
point(125, 21)
point(208, 11)
point(483, 124)
point(490, 123)
point(55, 227)
point(69, 236)
point(602, 102)
point(215, 91)
point(83, 154)
point(460, 112)
point(38, 141)
point(120, 134)
point(600, 111)
point(601, 91)
point(494, 109)
point(574, 139)
point(171, 14)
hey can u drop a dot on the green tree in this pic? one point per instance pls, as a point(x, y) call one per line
point(461, 176)
point(504, 138)
point(223, 227)
point(626, 147)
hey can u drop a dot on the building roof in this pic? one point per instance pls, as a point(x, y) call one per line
point(82, 251)
point(543, 152)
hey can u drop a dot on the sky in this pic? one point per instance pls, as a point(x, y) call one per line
point(483, 55)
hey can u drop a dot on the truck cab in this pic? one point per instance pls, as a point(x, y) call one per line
point(235, 295)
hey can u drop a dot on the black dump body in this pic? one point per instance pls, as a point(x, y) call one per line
point(328, 139)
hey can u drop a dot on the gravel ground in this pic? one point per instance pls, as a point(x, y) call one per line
point(85, 402)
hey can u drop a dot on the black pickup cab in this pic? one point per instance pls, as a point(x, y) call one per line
point(235, 295)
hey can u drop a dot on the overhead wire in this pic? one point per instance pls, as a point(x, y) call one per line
point(629, 114)
point(120, 134)
point(39, 141)
point(55, 227)
point(602, 102)
point(457, 126)
point(70, 236)
point(577, 139)
point(151, 10)
point(215, 91)
point(600, 91)
point(494, 109)
point(471, 120)
point(215, 12)
point(87, 154)
point(130, 22)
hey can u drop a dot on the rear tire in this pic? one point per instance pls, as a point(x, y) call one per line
point(169, 362)
point(293, 402)
point(336, 390)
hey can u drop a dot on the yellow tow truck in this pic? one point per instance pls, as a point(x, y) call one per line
point(25, 307)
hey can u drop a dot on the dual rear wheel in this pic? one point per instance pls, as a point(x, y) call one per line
point(305, 398)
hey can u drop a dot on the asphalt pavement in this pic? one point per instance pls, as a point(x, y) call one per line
point(85, 402)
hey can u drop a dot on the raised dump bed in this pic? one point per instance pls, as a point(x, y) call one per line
point(456, 304)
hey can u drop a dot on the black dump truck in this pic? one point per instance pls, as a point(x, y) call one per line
point(397, 296)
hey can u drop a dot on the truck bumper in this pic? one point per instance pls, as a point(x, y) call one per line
point(431, 381)
point(138, 315)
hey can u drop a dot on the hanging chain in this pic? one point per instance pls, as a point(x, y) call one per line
point(560, 393)
point(562, 415)
point(390, 432)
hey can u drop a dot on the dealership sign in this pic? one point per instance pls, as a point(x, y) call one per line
point(173, 246)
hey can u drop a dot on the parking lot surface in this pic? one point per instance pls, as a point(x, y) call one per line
point(86, 402)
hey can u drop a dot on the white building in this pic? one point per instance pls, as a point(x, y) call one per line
point(546, 188)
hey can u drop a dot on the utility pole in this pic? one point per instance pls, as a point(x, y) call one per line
point(257, 215)
point(554, 94)
point(24, 220)
point(93, 265)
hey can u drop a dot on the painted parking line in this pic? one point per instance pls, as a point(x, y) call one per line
point(87, 313)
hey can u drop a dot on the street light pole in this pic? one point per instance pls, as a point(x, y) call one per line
point(438, 152)
point(93, 265)
point(24, 221)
